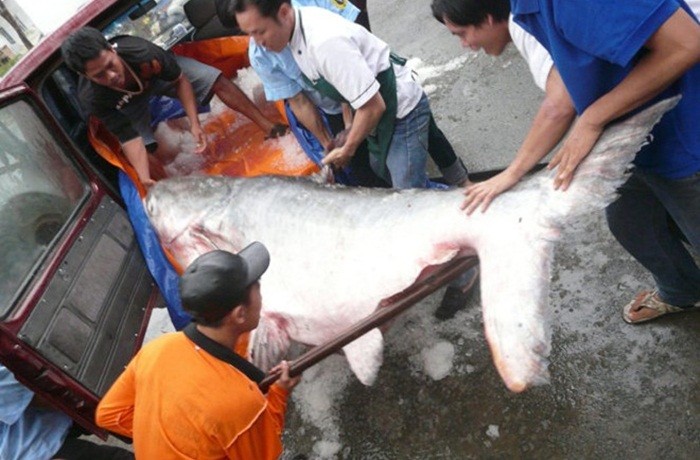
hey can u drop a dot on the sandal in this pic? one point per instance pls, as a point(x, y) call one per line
point(651, 301)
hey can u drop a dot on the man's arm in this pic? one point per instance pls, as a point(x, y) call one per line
point(340, 138)
point(130, 140)
point(233, 97)
point(14, 397)
point(553, 119)
point(348, 115)
point(135, 152)
point(672, 50)
point(307, 114)
point(366, 119)
point(186, 95)
point(116, 409)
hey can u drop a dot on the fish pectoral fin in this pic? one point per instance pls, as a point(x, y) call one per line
point(269, 342)
point(365, 356)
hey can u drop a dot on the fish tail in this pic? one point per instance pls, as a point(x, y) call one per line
point(604, 170)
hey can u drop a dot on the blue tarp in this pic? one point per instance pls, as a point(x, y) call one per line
point(162, 271)
point(164, 108)
point(313, 147)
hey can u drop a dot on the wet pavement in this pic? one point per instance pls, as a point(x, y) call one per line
point(616, 390)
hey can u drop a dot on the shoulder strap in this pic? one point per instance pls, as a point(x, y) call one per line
point(222, 353)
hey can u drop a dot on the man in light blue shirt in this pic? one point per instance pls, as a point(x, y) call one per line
point(31, 432)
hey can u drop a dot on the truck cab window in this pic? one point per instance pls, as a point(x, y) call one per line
point(39, 191)
point(162, 22)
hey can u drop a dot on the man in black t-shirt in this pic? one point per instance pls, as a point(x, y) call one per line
point(119, 77)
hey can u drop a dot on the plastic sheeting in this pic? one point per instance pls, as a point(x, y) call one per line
point(165, 108)
point(165, 276)
point(313, 148)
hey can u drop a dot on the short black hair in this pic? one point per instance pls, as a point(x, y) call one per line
point(225, 13)
point(267, 8)
point(470, 12)
point(217, 321)
point(81, 46)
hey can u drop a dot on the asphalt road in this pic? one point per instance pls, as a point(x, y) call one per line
point(617, 391)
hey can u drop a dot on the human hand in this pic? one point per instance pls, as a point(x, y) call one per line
point(200, 138)
point(339, 157)
point(324, 175)
point(483, 193)
point(337, 141)
point(576, 147)
point(285, 381)
point(277, 130)
point(340, 138)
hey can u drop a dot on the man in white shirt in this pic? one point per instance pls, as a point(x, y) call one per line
point(283, 80)
point(342, 60)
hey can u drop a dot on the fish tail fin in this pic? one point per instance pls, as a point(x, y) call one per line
point(365, 356)
point(605, 169)
point(269, 342)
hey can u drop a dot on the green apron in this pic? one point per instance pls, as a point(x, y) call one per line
point(379, 140)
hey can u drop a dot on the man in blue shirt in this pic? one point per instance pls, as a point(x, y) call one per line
point(30, 430)
point(615, 58)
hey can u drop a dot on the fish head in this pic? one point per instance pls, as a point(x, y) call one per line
point(188, 215)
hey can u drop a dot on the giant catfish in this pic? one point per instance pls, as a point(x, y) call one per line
point(338, 251)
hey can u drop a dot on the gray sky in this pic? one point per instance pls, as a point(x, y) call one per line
point(47, 15)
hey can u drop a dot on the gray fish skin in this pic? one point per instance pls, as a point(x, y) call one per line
point(336, 252)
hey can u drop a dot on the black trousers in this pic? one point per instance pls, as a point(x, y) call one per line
point(363, 18)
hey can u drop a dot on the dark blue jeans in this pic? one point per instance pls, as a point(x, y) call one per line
point(408, 151)
point(639, 221)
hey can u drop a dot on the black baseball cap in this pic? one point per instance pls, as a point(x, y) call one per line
point(217, 281)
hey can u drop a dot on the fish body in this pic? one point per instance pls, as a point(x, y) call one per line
point(336, 251)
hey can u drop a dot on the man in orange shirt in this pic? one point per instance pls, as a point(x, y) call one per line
point(188, 394)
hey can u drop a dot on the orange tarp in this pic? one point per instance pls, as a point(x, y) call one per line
point(227, 54)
